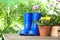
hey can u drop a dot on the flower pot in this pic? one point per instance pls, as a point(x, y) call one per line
point(44, 30)
point(54, 31)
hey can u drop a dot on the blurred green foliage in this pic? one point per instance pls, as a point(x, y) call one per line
point(11, 16)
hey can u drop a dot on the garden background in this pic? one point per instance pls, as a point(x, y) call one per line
point(12, 14)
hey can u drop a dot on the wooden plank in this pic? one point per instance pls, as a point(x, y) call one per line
point(59, 33)
point(17, 37)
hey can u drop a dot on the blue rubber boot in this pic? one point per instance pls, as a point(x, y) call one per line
point(27, 23)
point(34, 28)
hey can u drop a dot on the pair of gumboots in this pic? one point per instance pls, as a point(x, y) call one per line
point(30, 28)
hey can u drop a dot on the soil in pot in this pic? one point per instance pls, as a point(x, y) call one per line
point(44, 30)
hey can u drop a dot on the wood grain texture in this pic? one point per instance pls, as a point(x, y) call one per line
point(18, 37)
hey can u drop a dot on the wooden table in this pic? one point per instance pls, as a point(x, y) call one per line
point(59, 31)
point(18, 37)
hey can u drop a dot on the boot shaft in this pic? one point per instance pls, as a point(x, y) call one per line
point(36, 16)
point(27, 20)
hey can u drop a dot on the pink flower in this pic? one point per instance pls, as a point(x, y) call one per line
point(58, 0)
point(36, 7)
point(51, 5)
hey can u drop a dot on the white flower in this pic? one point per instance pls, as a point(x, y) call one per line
point(20, 26)
point(16, 28)
point(8, 11)
point(16, 6)
point(58, 0)
point(35, 7)
point(8, 8)
point(51, 5)
point(52, 12)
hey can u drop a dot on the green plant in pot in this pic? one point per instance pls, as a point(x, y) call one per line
point(54, 31)
point(45, 24)
point(52, 9)
point(55, 10)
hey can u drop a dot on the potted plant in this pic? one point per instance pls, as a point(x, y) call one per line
point(44, 25)
point(52, 9)
point(54, 31)
point(55, 10)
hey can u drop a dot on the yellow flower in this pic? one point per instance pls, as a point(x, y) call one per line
point(48, 18)
point(42, 18)
point(45, 18)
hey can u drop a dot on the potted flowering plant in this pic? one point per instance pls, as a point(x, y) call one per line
point(54, 10)
point(45, 24)
point(50, 8)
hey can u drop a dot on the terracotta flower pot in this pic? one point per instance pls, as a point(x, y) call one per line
point(54, 31)
point(44, 30)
